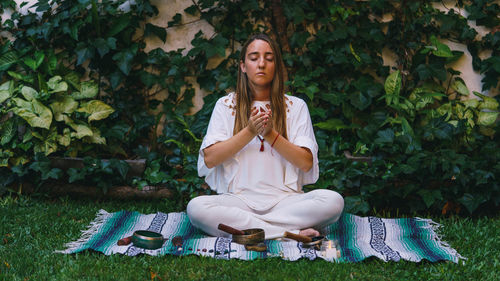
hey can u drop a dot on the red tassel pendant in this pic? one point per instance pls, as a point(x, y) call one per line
point(261, 143)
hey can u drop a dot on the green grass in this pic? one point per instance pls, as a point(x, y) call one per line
point(32, 228)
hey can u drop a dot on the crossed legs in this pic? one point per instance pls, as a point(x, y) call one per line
point(294, 213)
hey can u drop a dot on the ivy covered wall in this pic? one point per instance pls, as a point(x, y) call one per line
point(400, 122)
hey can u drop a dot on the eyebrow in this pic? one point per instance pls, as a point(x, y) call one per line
point(256, 53)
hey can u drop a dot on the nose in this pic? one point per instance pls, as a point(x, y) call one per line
point(262, 63)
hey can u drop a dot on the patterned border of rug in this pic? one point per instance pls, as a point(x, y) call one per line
point(357, 238)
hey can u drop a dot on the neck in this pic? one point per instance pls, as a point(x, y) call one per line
point(261, 93)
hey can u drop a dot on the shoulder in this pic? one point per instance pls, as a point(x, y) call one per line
point(294, 104)
point(227, 102)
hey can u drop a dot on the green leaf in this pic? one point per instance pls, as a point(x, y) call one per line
point(37, 115)
point(7, 59)
point(392, 87)
point(81, 129)
point(472, 103)
point(472, 202)
point(424, 101)
point(487, 118)
point(148, 79)
point(116, 78)
point(361, 100)
point(65, 138)
point(35, 63)
point(29, 93)
point(57, 85)
point(487, 102)
point(158, 31)
point(119, 25)
point(97, 109)
point(192, 10)
point(48, 144)
point(354, 53)
point(6, 90)
point(356, 205)
point(25, 78)
point(88, 90)
point(54, 173)
point(121, 166)
point(73, 79)
point(430, 196)
point(385, 136)
point(8, 131)
point(22, 103)
point(311, 90)
point(52, 63)
point(75, 175)
point(407, 129)
point(83, 53)
point(487, 131)
point(438, 128)
point(332, 124)
point(96, 137)
point(442, 50)
point(124, 59)
point(5, 155)
point(65, 104)
point(459, 86)
point(102, 46)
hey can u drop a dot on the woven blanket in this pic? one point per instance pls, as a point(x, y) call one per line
point(357, 238)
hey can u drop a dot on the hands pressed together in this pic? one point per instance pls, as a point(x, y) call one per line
point(260, 123)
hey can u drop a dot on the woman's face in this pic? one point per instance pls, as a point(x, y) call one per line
point(259, 63)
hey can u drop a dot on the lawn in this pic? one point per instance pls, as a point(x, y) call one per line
point(32, 228)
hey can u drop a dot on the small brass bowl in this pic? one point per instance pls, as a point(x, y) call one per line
point(315, 243)
point(251, 236)
point(147, 239)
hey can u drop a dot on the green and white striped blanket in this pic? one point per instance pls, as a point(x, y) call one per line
point(411, 239)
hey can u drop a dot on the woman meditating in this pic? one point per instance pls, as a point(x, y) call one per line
point(258, 152)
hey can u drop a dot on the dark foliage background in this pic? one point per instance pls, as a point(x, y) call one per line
point(428, 145)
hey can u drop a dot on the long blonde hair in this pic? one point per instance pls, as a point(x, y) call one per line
point(244, 94)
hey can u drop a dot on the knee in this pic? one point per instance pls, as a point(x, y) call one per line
point(332, 199)
point(337, 200)
point(195, 209)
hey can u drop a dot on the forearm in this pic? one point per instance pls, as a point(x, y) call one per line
point(299, 156)
point(221, 151)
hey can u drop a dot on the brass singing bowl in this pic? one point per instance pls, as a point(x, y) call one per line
point(315, 243)
point(251, 236)
point(147, 239)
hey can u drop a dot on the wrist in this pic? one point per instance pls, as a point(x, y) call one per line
point(271, 136)
point(250, 131)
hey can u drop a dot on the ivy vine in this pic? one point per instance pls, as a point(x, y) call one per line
point(431, 143)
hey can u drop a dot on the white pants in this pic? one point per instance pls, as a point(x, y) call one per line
point(304, 210)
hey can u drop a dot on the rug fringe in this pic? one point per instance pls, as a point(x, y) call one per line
point(434, 226)
point(92, 229)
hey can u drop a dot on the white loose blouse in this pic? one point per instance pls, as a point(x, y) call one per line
point(260, 179)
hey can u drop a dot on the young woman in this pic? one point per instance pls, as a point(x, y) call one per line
point(258, 152)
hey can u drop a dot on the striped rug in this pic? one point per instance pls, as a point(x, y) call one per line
point(357, 238)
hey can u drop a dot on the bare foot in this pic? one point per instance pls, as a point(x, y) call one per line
point(311, 232)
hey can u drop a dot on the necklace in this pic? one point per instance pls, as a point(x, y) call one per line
point(261, 143)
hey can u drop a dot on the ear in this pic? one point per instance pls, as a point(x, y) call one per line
point(243, 67)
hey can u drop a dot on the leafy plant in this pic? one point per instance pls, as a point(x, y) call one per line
point(432, 145)
point(54, 117)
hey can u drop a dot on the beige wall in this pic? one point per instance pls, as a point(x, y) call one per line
point(179, 37)
point(472, 78)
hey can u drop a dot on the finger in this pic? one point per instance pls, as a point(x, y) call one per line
point(260, 117)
